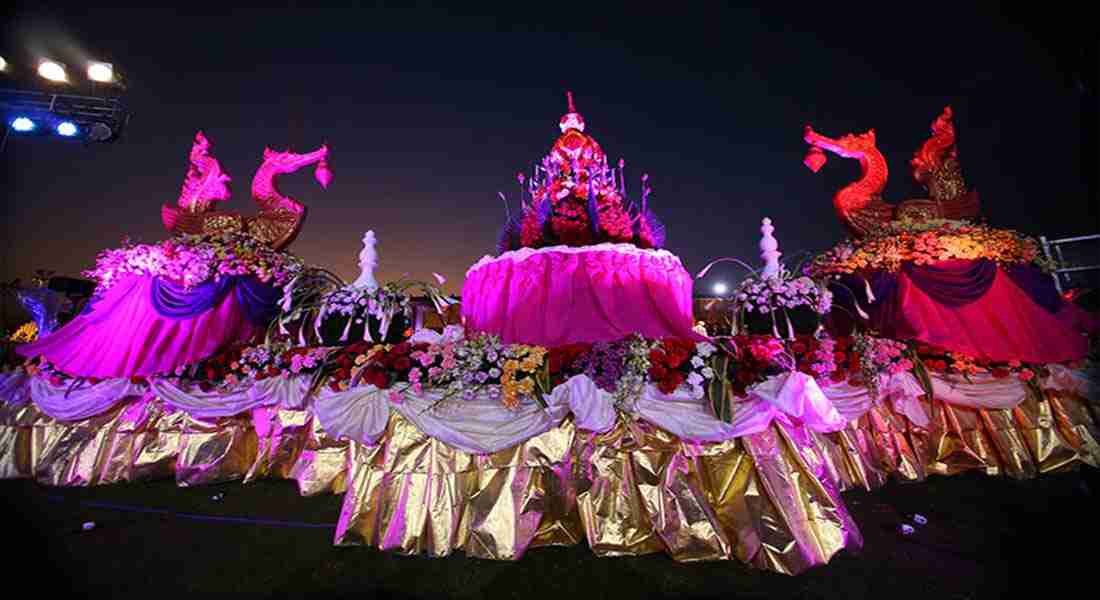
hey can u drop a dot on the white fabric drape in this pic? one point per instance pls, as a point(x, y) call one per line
point(286, 392)
point(482, 424)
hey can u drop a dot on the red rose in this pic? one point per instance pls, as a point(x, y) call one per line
point(376, 377)
point(799, 348)
point(677, 357)
point(839, 357)
point(402, 363)
point(272, 371)
point(402, 348)
point(211, 373)
point(999, 373)
point(657, 372)
point(671, 382)
point(657, 357)
point(837, 376)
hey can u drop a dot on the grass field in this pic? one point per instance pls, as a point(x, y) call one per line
point(987, 537)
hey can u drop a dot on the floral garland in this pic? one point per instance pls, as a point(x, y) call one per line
point(258, 362)
point(947, 362)
point(944, 240)
point(191, 260)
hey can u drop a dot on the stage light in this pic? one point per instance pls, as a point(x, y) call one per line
point(99, 132)
point(66, 128)
point(101, 72)
point(3, 64)
point(720, 288)
point(52, 70)
point(22, 124)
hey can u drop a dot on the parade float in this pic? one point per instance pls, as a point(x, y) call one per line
point(576, 403)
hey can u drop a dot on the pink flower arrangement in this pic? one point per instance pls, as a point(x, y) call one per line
point(193, 260)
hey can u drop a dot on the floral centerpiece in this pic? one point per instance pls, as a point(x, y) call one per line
point(321, 308)
point(575, 198)
point(190, 260)
point(777, 297)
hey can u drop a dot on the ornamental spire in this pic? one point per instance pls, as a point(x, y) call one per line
point(572, 119)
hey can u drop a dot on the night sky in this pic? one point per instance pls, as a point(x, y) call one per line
point(430, 114)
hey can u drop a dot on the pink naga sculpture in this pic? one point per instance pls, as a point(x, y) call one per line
point(280, 217)
point(935, 165)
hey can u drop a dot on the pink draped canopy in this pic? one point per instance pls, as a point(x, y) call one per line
point(125, 335)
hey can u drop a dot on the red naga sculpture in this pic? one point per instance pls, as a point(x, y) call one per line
point(280, 217)
point(935, 166)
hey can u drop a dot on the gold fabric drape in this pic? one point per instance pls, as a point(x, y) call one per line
point(770, 499)
point(146, 440)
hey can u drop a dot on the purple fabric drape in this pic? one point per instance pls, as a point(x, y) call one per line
point(1037, 285)
point(173, 301)
point(259, 300)
point(953, 282)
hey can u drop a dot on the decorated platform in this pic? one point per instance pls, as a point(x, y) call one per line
point(577, 402)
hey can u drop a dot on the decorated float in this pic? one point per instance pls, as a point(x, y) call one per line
point(575, 404)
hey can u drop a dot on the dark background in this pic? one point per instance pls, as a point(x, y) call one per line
point(431, 111)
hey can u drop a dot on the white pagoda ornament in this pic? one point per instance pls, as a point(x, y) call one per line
point(368, 260)
point(769, 250)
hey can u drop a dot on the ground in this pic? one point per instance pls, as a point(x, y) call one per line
point(987, 537)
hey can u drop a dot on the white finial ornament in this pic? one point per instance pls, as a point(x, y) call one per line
point(769, 249)
point(368, 260)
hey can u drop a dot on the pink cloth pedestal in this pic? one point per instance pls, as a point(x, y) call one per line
point(562, 295)
point(124, 335)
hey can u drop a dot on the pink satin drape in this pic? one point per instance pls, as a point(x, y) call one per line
point(554, 297)
point(125, 336)
point(1004, 324)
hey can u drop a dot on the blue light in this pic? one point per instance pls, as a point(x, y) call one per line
point(22, 124)
point(66, 128)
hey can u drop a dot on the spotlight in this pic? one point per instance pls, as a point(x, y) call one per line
point(101, 72)
point(22, 124)
point(66, 128)
point(3, 64)
point(99, 132)
point(52, 70)
point(720, 288)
